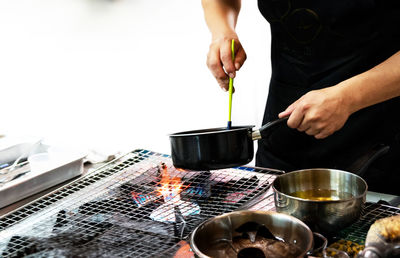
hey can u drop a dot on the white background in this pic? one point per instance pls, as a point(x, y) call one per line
point(121, 75)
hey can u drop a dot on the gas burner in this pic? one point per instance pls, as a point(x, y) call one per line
point(253, 240)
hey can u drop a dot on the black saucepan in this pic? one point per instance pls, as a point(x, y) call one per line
point(216, 148)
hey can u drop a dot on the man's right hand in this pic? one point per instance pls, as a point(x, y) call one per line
point(219, 59)
point(221, 17)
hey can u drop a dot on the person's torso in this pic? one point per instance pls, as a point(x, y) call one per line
point(317, 44)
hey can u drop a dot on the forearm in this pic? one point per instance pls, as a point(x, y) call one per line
point(322, 112)
point(221, 16)
point(373, 86)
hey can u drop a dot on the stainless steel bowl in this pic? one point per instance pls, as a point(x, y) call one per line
point(208, 238)
point(330, 214)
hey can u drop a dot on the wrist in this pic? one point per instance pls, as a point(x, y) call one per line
point(224, 35)
point(351, 97)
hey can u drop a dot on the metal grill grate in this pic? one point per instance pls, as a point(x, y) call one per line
point(117, 210)
point(357, 232)
point(372, 212)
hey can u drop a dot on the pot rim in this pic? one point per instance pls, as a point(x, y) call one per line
point(362, 195)
point(207, 131)
point(197, 252)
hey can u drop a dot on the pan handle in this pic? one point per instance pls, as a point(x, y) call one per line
point(256, 135)
point(362, 164)
point(319, 249)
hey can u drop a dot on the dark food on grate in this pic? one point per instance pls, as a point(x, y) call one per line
point(91, 239)
point(120, 222)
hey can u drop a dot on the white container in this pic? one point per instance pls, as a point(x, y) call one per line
point(46, 172)
point(40, 162)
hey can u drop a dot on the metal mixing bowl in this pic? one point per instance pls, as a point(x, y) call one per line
point(324, 216)
point(207, 238)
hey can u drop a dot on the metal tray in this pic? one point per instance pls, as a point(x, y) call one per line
point(32, 183)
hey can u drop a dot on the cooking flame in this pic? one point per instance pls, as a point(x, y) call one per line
point(169, 187)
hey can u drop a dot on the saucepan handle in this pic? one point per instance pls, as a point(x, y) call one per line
point(318, 249)
point(256, 135)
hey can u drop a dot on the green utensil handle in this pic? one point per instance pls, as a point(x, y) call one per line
point(231, 86)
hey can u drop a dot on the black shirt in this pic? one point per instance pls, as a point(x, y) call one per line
point(317, 44)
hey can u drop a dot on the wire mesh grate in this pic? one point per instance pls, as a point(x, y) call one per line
point(119, 210)
point(123, 209)
point(357, 232)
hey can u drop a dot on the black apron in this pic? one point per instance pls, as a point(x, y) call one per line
point(317, 44)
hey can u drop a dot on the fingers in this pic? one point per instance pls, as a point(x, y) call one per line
point(296, 118)
point(215, 66)
point(321, 135)
point(226, 58)
point(240, 56)
point(220, 63)
point(312, 131)
point(288, 110)
point(304, 121)
point(318, 113)
point(299, 120)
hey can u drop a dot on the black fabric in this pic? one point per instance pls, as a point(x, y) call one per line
point(316, 44)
